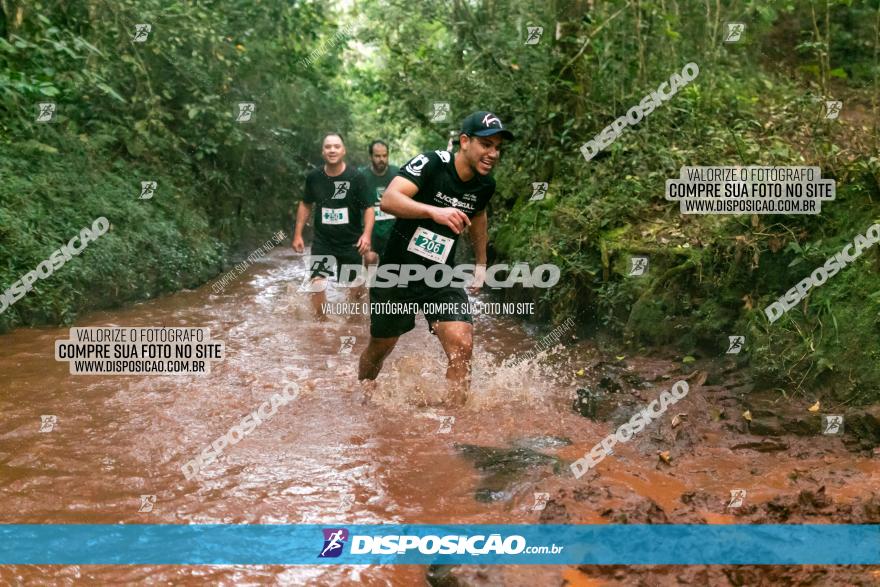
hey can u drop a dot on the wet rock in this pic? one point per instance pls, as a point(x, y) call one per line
point(644, 511)
point(807, 503)
point(772, 417)
point(586, 403)
point(621, 414)
point(555, 512)
point(541, 442)
point(591, 493)
point(744, 389)
point(764, 446)
point(493, 494)
point(765, 426)
point(601, 407)
point(487, 458)
point(864, 425)
point(504, 467)
point(608, 387)
point(610, 383)
point(803, 425)
point(442, 576)
point(699, 499)
point(813, 500)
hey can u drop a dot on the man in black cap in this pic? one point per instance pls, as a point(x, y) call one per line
point(434, 197)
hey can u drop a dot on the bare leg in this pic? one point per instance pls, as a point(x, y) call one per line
point(356, 294)
point(318, 298)
point(373, 356)
point(457, 339)
point(371, 362)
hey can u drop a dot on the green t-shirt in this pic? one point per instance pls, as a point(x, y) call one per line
point(375, 187)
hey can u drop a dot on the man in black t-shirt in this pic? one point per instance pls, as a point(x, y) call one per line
point(435, 197)
point(344, 217)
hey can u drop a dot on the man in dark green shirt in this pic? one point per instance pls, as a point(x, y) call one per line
point(377, 176)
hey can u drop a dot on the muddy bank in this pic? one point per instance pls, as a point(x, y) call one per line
point(724, 437)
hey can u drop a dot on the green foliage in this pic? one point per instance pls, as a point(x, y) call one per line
point(710, 276)
point(159, 110)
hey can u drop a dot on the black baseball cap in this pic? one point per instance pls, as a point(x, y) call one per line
point(484, 124)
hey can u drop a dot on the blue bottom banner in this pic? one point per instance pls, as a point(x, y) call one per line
point(216, 544)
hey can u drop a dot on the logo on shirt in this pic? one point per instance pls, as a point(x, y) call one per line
point(415, 166)
point(334, 540)
point(444, 156)
point(454, 202)
point(341, 189)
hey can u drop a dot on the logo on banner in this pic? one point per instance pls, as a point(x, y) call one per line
point(334, 539)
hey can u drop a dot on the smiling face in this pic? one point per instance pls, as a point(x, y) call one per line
point(333, 149)
point(481, 153)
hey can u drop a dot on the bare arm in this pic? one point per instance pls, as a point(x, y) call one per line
point(303, 213)
point(363, 244)
point(369, 220)
point(479, 233)
point(398, 201)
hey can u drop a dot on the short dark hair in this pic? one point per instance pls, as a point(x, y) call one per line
point(377, 142)
point(332, 134)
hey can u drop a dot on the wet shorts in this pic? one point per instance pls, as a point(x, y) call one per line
point(393, 310)
point(344, 254)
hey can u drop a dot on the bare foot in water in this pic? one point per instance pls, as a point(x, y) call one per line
point(457, 398)
point(368, 386)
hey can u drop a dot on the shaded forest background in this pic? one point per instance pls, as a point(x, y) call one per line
point(163, 110)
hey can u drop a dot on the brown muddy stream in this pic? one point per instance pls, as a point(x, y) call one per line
point(325, 458)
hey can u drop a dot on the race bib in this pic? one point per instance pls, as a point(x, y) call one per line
point(334, 215)
point(380, 215)
point(430, 245)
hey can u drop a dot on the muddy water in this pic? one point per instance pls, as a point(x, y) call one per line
point(327, 459)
